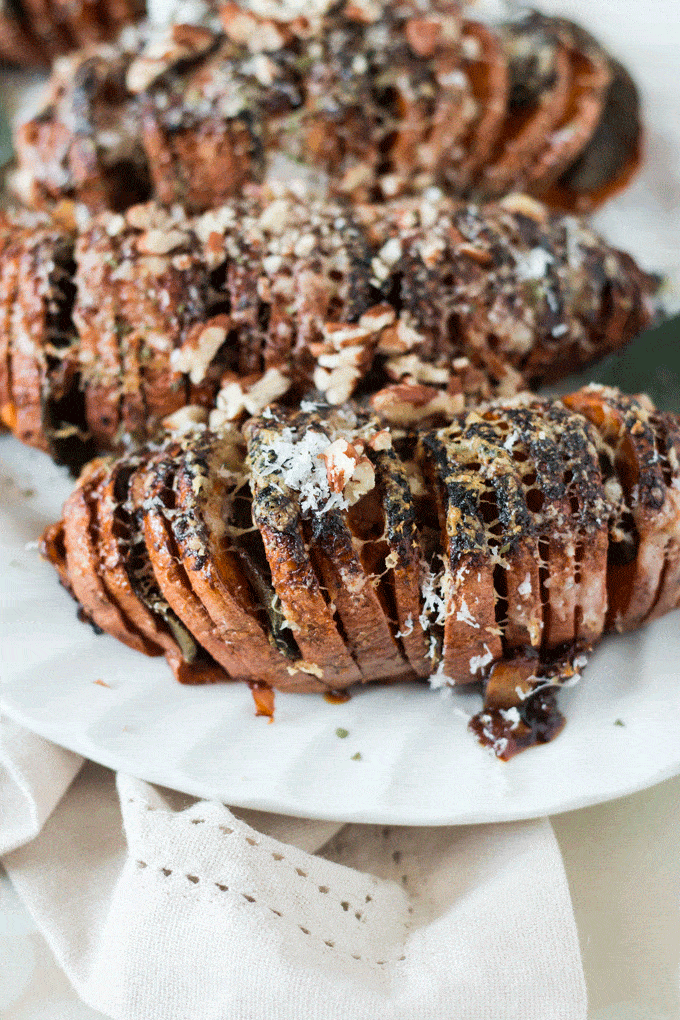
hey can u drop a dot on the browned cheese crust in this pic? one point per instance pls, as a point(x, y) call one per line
point(639, 449)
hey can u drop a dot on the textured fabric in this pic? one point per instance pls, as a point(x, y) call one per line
point(33, 777)
point(159, 906)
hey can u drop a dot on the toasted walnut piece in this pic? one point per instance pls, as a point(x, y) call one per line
point(239, 394)
point(342, 334)
point(200, 347)
point(147, 216)
point(178, 43)
point(361, 482)
point(380, 441)
point(161, 242)
point(365, 11)
point(259, 35)
point(349, 471)
point(186, 419)
point(520, 203)
point(338, 383)
point(423, 35)
point(405, 404)
point(422, 371)
point(399, 338)
point(378, 318)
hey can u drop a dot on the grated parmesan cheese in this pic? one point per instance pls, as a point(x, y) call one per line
point(433, 602)
point(302, 462)
point(465, 616)
point(533, 265)
point(408, 627)
point(478, 662)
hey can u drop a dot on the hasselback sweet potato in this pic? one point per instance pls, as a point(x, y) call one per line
point(369, 99)
point(420, 304)
point(319, 548)
point(33, 32)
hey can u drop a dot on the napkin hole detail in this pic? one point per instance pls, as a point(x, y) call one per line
point(345, 904)
point(227, 831)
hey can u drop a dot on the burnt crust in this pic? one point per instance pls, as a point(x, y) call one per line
point(374, 100)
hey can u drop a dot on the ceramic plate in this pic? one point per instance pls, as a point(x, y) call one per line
point(418, 763)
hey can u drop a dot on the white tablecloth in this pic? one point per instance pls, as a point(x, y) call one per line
point(623, 867)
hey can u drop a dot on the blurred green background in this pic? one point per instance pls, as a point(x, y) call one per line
point(651, 364)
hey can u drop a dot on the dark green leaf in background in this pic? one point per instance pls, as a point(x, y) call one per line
point(651, 364)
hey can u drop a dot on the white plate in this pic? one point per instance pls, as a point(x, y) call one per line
point(419, 764)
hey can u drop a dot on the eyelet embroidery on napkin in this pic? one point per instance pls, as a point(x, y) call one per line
point(346, 906)
point(225, 830)
point(195, 880)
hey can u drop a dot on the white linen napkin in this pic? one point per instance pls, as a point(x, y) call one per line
point(192, 910)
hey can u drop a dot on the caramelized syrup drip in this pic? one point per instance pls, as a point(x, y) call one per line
point(263, 696)
point(336, 697)
point(540, 721)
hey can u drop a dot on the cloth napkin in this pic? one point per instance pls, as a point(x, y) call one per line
point(161, 907)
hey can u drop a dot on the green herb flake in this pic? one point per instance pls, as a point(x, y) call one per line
point(357, 756)
point(340, 732)
point(619, 722)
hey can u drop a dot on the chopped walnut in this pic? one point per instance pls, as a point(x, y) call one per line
point(525, 205)
point(160, 242)
point(406, 404)
point(186, 419)
point(336, 374)
point(200, 347)
point(423, 35)
point(246, 29)
point(380, 441)
point(179, 42)
point(399, 338)
point(412, 366)
point(240, 394)
point(349, 471)
point(365, 11)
